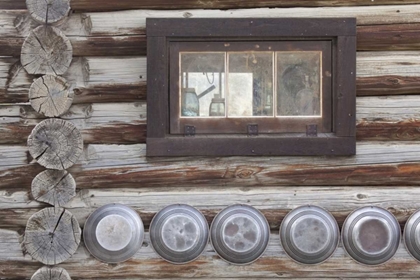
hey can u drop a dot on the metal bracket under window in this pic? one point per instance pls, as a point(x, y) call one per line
point(252, 129)
point(312, 130)
point(189, 130)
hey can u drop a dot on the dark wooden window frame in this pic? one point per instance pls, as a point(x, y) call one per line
point(162, 32)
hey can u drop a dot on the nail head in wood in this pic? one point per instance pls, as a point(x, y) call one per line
point(50, 95)
point(51, 273)
point(52, 235)
point(56, 187)
point(46, 51)
point(55, 144)
point(48, 11)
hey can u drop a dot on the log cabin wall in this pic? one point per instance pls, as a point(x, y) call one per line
point(108, 75)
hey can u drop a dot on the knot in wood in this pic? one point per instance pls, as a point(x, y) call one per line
point(51, 273)
point(50, 95)
point(48, 11)
point(246, 172)
point(56, 187)
point(46, 51)
point(55, 144)
point(52, 235)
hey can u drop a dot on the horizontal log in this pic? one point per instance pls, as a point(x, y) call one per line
point(99, 123)
point(101, 166)
point(378, 118)
point(17, 206)
point(18, 23)
point(147, 264)
point(123, 79)
point(113, 79)
point(372, 38)
point(85, 5)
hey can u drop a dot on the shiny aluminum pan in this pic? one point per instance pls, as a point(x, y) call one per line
point(239, 234)
point(179, 233)
point(309, 234)
point(371, 235)
point(113, 233)
point(412, 235)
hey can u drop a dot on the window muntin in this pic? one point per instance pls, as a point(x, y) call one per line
point(224, 86)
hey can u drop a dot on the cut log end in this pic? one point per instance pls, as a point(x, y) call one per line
point(51, 273)
point(52, 235)
point(46, 51)
point(55, 144)
point(50, 95)
point(56, 187)
point(48, 11)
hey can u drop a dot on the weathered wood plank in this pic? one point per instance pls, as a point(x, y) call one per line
point(378, 118)
point(84, 5)
point(371, 37)
point(376, 164)
point(146, 264)
point(122, 79)
point(17, 23)
point(99, 123)
point(96, 79)
point(275, 202)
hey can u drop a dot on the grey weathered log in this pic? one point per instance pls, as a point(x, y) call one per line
point(56, 187)
point(50, 95)
point(52, 235)
point(48, 11)
point(55, 144)
point(46, 51)
point(51, 273)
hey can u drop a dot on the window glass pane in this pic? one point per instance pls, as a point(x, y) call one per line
point(250, 84)
point(202, 84)
point(298, 83)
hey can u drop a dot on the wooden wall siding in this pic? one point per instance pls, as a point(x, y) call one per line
point(98, 5)
point(378, 118)
point(123, 79)
point(125, 166)
point(108, 75)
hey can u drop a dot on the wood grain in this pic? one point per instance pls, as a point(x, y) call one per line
point(122, 79)
point(378, 118)
point(84, 5)
point(17, 23)
point(48, 11)
point(55, 144)
point(55, 187)
point(46, 50)
point(52, 235)
point(146, 264)
point(51, 273)
point(50, 96)
point(125, 166)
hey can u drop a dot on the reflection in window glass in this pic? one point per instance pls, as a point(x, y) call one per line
point(250, 84)
point(202, 84)
point(298, 84)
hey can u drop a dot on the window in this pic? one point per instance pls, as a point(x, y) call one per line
point(251, 87)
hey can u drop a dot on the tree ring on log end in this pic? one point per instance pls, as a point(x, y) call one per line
point(56, 187)
point(52, 235)
point(48, 11)
point(51, 273)
point(55, 144)
point(50, 95)
point(46, 51)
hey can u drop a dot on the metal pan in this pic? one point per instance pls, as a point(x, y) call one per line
point(113, 233)
point(179, 233)
point(412, 235)
point(239, 234)
point(309, 234)
point(371, 235)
